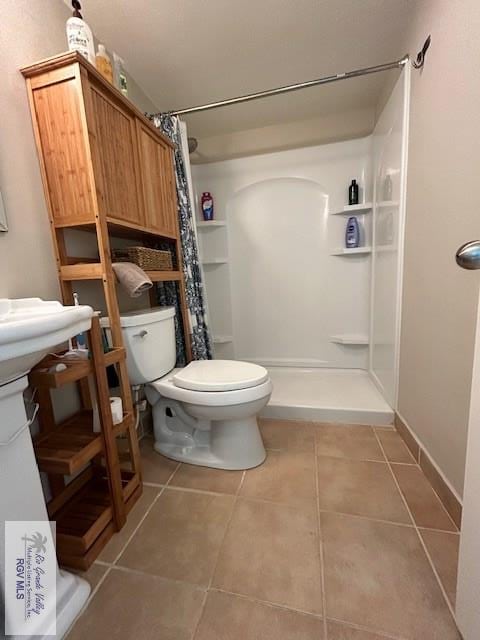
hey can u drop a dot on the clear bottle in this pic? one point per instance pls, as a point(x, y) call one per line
point(103, 63)
point(79, 34)
point(119, 74)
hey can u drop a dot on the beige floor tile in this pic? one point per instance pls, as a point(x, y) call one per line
point(377, 575)
point(93, 575)
point(356, 442)
point(359, 488)
point(119, 540)
point(129, 605)
point(426, 508)
point(271, 553)
point(285, 434)
point(234, 618)
point(443, 549)
point(155, 467)
point(285, 476)
point(181, 536)
point(339, 631)
point(395, 448)
point(204, 479)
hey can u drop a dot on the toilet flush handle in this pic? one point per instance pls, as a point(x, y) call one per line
point(142, 334)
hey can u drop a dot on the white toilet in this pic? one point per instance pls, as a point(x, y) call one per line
point(205, 413)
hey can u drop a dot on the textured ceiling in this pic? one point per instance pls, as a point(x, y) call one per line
point(188, 52)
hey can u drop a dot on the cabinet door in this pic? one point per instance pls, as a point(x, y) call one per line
point(115, 158)
point(158, 182)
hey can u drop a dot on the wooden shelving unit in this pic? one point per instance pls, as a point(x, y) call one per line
point(89, 508)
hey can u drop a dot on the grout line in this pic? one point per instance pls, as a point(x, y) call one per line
point(87, 603)
point(276, 605)
point(155, 576)
point(214, 568)
point(369, 518)
point(293, 505)
point(129, 539)
point(369, 630)
point(320, 547)
point(429, 558)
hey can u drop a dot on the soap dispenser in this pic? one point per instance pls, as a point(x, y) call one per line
point(79, 34)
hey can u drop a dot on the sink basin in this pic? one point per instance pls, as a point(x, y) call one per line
point(31, 327)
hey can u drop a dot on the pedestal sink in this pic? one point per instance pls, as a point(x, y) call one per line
point(29, 329)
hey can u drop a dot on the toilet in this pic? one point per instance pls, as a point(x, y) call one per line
point(204, 413)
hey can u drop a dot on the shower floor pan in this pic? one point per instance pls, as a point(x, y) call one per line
point(326, 395)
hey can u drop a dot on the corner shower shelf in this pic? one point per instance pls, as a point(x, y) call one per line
point(215, 261)
point(222, 339)
point(365, 207)
point(354, 339)
point(208, 224)
point(346, 252)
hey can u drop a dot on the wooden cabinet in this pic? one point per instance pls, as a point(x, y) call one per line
point(116, 164)
point(100, 156)
point(156, 176)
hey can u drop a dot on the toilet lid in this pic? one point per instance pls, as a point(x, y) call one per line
point(220, 375)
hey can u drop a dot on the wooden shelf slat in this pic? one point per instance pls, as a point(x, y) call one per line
point(88, 271)
point(164, 276)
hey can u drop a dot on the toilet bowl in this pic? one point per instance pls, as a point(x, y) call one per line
point(204, 413)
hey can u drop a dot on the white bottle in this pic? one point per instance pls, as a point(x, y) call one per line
point(79, 34)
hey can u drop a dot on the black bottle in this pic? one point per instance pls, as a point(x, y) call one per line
point(353, 193)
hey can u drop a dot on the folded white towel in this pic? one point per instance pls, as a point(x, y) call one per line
point(133, 279)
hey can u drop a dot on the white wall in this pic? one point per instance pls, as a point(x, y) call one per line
point(30, 31)
point(283, 295)
point(389, 157)
point(440, 300)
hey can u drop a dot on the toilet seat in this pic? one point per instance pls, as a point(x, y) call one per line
point(167, 388)
point(220, 375)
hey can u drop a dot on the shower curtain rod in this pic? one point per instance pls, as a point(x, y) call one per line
point(294, 87)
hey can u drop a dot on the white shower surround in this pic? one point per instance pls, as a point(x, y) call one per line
point(281, 295)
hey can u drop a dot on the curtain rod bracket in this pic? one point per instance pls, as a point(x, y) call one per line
point(420, 61)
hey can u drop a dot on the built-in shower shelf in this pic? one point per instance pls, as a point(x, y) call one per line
point(347, 252)
point(208, 261)
point(222, 339)
point(365, 207)
point(208, 224)
point(354, 339)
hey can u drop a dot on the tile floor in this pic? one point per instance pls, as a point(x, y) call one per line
point(337, 536)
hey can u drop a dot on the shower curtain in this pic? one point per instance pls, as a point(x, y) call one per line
point(195, 291)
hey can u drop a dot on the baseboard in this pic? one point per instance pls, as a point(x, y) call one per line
point(433, 473)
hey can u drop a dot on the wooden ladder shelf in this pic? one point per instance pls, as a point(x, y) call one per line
point(94, 504)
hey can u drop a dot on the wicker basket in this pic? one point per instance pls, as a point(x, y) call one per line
point(147, 259)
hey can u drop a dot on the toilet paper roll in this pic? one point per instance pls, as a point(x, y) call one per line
point(117, 410)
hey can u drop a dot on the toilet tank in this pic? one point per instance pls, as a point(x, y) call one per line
point(149, 337)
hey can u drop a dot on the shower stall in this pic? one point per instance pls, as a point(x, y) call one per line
point(282, 289)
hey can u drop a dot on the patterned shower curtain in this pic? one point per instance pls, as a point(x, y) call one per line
point(195, 291)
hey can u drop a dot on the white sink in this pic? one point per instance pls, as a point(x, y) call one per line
point(30, 328)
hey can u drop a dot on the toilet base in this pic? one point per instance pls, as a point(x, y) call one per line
point(228, 444)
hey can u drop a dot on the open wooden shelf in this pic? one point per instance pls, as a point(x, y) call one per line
point(73, 444)
point(77, 368)
point(68, 448)
point(85, 524)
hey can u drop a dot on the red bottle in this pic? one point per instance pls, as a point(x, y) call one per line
point(207, 205)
